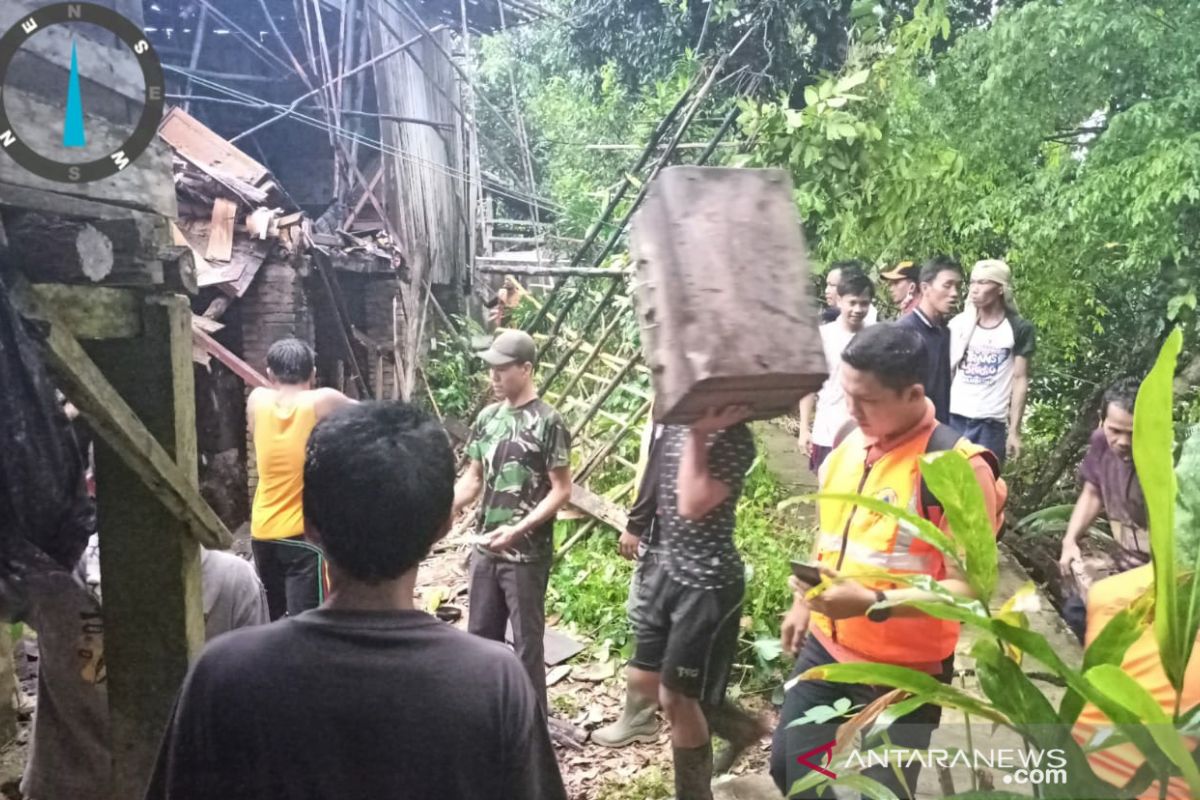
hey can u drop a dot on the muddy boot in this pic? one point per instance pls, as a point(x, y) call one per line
point(737, 728)
point(693, 772)
point(637, 724)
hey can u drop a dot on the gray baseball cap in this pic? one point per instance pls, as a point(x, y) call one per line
point(510, 347)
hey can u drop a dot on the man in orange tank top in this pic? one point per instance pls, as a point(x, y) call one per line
point(894, 426)
point(280, 419)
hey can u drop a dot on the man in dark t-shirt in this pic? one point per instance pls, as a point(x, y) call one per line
point(941, 279)
point(365, 697)
point(1110, 486)
point(519, 452)
point(687, 626)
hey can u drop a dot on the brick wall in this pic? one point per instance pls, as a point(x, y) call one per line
point(274, 308)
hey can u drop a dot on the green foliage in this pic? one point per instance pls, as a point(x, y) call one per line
point(1008, 696)
point(649, 784)
point(453, 374)
point(1092, 198)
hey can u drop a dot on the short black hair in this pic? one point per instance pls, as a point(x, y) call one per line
point(1123, 394)
point(851, 264)
point(378, 487)
point(936, 266)
point(893, 353)
point(291, 360)
point(855, 283)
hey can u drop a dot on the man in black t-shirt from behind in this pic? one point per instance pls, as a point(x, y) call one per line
point(364, 697)
point(687, 626)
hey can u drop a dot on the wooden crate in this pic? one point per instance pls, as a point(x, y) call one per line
point(723, 293)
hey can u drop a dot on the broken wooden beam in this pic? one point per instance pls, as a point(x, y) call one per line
point(220, 352)
point(66, 248)
point(601, 508)
point(115, 422)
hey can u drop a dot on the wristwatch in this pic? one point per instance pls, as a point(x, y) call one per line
point(879, 614)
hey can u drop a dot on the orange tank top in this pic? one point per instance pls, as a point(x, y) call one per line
point(281, 432)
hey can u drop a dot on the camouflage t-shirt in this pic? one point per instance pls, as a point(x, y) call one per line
point(518, 447)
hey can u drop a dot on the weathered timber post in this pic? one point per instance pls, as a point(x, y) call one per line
point(150, 567)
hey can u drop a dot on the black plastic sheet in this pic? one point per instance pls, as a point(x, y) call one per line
point(43, 497)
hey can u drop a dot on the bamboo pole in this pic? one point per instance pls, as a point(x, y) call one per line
point(593, 461)
point(605, 394)
point(665, 157)
point(608, 331)
point(594, 231)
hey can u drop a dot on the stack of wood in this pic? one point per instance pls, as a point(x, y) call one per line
point(233, 217)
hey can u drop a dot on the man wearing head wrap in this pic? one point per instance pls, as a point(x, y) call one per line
point(991, 345)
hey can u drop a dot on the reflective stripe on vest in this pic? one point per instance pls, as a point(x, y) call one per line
point(856, 540)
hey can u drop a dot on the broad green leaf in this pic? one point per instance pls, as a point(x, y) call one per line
point(865, 786)
point(768, 648)
point(1015, 695)
point(1137, 700)
point(895, 712)
point(810, 95)
point(1153, 448)
point(853, 81)
point(910, 680)
point(1187, 535)
point(952, 480)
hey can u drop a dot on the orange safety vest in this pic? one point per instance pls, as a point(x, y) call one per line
point(1117, 764)
point(854, 540)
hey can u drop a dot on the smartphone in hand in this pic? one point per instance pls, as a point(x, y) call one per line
point(806, 573)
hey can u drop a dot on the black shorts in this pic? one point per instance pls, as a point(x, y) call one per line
point(649, 564)
point(688, 635)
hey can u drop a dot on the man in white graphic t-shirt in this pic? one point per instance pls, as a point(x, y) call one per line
point(825, 412)
point(991, 345)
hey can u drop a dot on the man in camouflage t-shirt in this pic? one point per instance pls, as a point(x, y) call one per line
point(520, 458)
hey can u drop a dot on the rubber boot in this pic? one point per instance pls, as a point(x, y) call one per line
point(693, 772)
point(739, 730)
point(638, 723)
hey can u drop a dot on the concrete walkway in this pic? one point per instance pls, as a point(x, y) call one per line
point(791, 469)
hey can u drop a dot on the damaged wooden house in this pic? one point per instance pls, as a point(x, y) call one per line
point(265, 271)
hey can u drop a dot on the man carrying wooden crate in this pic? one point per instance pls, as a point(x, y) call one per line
point(520, 451)
point(690, 608)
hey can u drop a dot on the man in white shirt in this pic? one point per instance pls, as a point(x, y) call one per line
point(824, 413)
point(990, 348)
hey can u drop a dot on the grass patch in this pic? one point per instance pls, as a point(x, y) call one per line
point(651, 784)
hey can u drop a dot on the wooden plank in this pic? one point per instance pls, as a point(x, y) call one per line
point(146, 183)
point(115, 421)
point(220, 232)
point(599, 507)
point(208, 344)
point(94, 312)
point(177, 236)
point(200, 145)
point(207, 325)
point(153, 618)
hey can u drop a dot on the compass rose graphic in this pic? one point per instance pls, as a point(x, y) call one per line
point(74, 130)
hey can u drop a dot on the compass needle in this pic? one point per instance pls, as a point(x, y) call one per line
point(73, 134)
